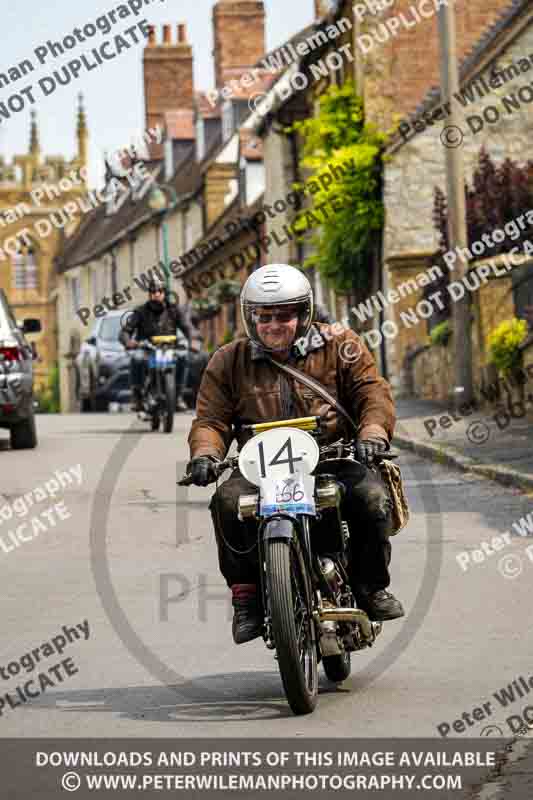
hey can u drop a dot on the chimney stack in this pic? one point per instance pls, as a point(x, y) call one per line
point(239, 31)
point(168, 79)
point(322, 8)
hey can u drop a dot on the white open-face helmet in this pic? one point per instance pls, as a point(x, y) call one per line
point(276, 285)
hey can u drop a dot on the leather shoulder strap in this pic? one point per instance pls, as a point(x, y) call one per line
point(317, 387)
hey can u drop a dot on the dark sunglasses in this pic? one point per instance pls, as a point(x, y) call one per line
point(280, 316)
point(157, 291)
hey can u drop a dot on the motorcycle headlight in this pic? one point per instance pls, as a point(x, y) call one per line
point(328, 494)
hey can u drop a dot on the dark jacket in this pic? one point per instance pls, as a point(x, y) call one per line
point(240, 387)
point(145, 321)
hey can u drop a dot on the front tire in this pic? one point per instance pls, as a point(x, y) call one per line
point(23, 436)
point(291, 624)
point(170, 403)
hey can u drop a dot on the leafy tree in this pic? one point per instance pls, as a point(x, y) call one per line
point(339, 136)
point(497, 196)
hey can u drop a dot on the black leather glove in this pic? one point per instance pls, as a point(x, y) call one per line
point(366, 449)
point(202, 470)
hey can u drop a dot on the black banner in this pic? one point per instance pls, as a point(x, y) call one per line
point(207, 768)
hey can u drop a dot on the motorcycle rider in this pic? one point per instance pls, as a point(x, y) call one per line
point(156, 317)
point(240, 387)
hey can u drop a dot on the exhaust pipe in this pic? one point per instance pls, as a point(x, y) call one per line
point(369, 629)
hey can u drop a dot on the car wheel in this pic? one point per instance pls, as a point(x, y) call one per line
point(23, 435)
point(101, 403)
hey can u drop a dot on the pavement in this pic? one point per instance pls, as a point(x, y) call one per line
point(486, 443)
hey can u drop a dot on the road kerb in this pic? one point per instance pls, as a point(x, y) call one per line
point(442, 455)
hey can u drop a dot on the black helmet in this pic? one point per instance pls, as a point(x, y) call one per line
point(156, 285)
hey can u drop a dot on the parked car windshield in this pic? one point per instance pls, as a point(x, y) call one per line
point(110, 329)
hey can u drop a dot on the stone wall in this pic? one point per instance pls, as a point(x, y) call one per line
point(433, 376)
point(418, 166)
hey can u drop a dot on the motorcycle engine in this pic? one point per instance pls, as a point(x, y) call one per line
point(332, 577)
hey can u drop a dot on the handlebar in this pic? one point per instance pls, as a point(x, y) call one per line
point(220, 467)
point(339, 449)
point(146, 345)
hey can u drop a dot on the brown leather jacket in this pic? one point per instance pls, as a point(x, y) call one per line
point(240, 387)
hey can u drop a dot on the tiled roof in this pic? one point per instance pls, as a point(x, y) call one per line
point(468, 65)
point(98, 231)
point(218, 230)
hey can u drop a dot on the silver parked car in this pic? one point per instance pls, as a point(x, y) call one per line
point(102, 366)
point(16, 378)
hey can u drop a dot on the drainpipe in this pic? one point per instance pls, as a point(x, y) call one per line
point(296, 175)
point(378, 257)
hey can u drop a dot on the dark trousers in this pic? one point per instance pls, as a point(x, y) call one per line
point(138, 370)
point(182, 371)
point(365, 506)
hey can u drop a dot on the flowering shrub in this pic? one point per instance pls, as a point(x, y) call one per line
point(504, 342)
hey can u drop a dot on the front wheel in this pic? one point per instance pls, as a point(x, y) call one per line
point(23, 435)
point(291, 624)
point(169, 407)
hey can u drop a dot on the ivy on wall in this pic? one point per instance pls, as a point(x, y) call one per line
point(339, 137)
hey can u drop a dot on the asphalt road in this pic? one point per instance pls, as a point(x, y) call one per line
point(152, 668)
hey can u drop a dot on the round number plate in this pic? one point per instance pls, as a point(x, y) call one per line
point(278, 453)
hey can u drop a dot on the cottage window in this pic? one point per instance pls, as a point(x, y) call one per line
point(25, 271)
point(75, 294)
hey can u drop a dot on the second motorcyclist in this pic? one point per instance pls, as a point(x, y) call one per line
point(156, 317)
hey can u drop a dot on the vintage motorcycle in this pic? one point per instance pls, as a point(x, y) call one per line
point(159, 388)
point(309, 607)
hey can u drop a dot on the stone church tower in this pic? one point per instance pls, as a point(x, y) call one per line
point(33, 226)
